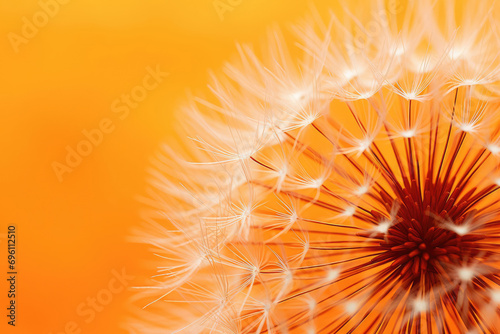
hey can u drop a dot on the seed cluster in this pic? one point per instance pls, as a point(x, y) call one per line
point(351, 193)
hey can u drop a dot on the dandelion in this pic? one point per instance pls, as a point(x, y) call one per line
point(353, 189)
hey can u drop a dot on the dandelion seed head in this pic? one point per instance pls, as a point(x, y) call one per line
point(493, 148)
point(351, 307)
point(363, 189)
point(349, 74)
point(349, 211)
point(410, 95)
point(409, 133)
point(311, 304)
point(456, 52)
point(459, 229)
point(267, 306)
point(466, 274)
point(470, 82)
point(420, 305)
point(317, 183)
point(383, 227)
point(298, 96)
point(332, 275)
point(311, 330)
point(468, 127)
point(350, 186)
point(495, 296)
point(363, 145)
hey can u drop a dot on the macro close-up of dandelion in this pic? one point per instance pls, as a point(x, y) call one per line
point(343, 179)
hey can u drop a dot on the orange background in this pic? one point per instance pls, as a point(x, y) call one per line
point(71, 234)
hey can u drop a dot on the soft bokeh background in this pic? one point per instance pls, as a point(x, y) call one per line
point(71, 234)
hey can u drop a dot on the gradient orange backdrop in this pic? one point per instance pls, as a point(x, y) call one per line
point(63, 80)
